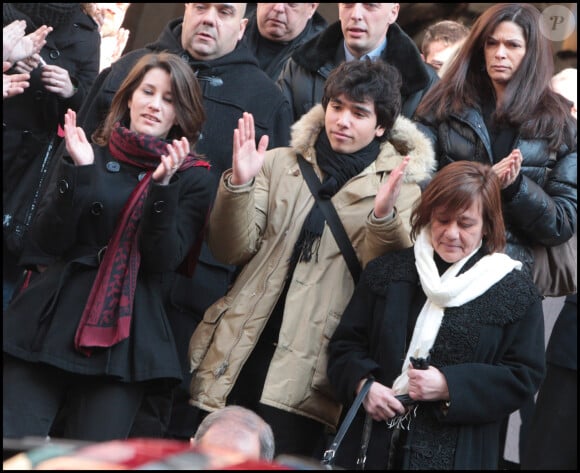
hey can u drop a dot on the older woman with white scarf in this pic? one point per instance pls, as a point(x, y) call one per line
point(455, 301)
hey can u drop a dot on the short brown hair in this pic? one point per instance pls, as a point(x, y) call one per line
point(454, 188)
point(448, 31)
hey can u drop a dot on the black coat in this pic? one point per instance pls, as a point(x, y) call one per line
point(230, 85)
point(302, 79)
point(491, 352)
point(543, 209)
point(30, 120)
point(76, 220)
point(272, 55)
point(562, 348)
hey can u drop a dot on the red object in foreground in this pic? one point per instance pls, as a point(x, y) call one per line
point(131, 454)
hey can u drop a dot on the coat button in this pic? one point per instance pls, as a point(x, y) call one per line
point(54, 54)
point(96, 208)
point(62, 186)
point(159, 206)
point(141, 175)
point(113, 166)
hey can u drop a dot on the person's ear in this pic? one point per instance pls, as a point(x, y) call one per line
point(394, 13)
point(243, 24)
point(313, 8)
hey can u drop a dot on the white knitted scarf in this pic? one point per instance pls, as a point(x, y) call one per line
point(447, 290)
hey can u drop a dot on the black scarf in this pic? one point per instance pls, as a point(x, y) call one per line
point(338, 169)
point(106, 319)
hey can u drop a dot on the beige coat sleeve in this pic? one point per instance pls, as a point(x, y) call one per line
point(235, 224)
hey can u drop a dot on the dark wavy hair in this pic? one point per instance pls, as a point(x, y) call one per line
point(529, 103)
point(454, 188)
point(187, 98)
point(376, 81)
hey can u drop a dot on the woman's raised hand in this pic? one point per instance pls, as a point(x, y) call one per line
point(508, 168)
point(13, 84)
point(77, 145)
point(20, 47)
point(172, 161)
point(12, 34)
point(246, 159)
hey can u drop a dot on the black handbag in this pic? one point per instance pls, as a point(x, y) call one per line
point(328, 458)
point(555, 271)
point(332, 218)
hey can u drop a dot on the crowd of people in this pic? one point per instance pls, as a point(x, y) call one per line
point(222, 235)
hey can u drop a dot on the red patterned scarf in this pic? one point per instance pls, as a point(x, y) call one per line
point(106, 319)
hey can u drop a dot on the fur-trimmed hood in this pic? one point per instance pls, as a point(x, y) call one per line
point(404, 139)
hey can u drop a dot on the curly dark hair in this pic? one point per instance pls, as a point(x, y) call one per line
point(376, 81)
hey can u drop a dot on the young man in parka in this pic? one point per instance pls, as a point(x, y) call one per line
point(263, 345)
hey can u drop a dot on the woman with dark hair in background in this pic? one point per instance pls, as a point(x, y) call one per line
point(495, 106)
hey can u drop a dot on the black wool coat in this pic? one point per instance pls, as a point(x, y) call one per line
point(271, 55)
point(30, 121)
point(76, 221)
point(230, 85)
point(491, 352)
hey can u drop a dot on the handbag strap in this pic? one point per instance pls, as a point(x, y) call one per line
point(364, 443)
point(329, 454)
point(332, 218)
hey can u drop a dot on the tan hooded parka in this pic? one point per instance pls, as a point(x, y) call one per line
point(257, 226)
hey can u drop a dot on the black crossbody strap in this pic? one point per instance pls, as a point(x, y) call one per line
point(332, 218)
point(329, 454)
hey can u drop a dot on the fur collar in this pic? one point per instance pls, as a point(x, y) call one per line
point(405, 138)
